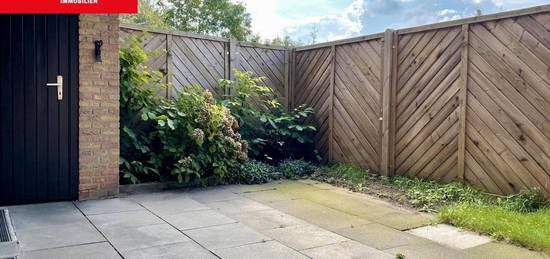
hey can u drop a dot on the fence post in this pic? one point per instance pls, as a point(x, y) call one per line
point(292, 69)
point(234, 59)
point(286, 82)
point(463, 102)
point(169, 64)
point(389, 85)
point(331, 103)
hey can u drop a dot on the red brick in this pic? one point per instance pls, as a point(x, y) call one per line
point(99, 111)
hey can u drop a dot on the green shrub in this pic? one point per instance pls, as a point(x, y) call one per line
point(196, 137)
point(273, 133)
point(138, 88)
point(526, 201)
point(253, 172)
point(189, 138)
point(296, 169)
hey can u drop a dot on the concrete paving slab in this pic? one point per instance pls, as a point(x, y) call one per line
point(317, 184)
point(157, 196)
point(209, 195)
point(503, 251)
point(379, 236)
point(269, 249)
point(319, 215)
point(237, 206)
point(87, 251)
point(45, 215)
point(93, 207)
point(354, 205)
point(267, 219)
point(174, 206)
point(269, 196)
point(127, 219)
point(187, 250)
point(198, 219)
point(60, 235)
point(346, 250)
point(428, 251)
point(124, 239)
point(405, 220)
point(225, 236)
point(302, 237)
point(451, 236)
point(294, 187)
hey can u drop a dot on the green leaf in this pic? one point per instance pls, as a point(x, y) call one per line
point(144, 116)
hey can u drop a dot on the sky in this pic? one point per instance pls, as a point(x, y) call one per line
point(339, 19)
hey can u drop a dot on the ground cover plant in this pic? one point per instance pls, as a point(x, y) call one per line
point(253, 172)
point(523, 218)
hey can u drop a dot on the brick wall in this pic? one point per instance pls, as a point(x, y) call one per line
point(99, 107)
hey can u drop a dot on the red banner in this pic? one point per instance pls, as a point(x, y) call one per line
point(68, 6)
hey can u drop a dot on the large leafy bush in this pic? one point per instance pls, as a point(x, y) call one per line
point(137, 94)
point(189, 138)
point(273, 133)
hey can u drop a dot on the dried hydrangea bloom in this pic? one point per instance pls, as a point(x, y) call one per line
point(243, 156)
point(244, 145)
point(186, 162)
point(237, 136)
point(208, 97)
point(198, 136)
point(204, 115)
point(235, 123)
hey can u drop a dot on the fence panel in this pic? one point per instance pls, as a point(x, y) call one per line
point(427, 103)
point(312, 82)
point(463, 100)
point(151, 42)
point(267, 62)
point(197, 62)
point(357, 103)
point(191, 59)
point(508, 111)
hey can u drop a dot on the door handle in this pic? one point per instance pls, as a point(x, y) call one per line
point(59, 85)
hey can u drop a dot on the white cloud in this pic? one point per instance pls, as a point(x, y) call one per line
point(450, 18)
point(446, 12)
point(331, 27)
point(264, 20)
point(512, 3)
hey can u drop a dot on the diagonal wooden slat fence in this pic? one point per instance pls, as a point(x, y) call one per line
point(191, 59)
point(466, 100)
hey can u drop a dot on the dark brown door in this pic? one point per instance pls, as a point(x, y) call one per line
point(39, 123)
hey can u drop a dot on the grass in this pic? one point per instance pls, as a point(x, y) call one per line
point(531, 230)
point(523, 218)
point(426, 196)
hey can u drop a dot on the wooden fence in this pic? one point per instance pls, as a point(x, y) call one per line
point(465, 100)
point(191, 59)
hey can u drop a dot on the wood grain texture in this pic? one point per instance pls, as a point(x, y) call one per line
point(202, 60)
point(471, 101)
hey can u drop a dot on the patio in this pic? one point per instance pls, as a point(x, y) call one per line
point(290, 219)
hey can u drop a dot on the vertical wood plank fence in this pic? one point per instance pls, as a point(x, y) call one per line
point(466, 100)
